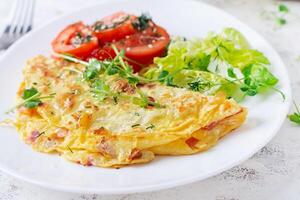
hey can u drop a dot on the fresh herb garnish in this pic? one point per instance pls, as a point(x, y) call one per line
point(295, 117)
point(92, 69)
point(69, 149)
point(219, 62)
point(137, 114)
point(200, 85)
point(150, 127)
point(31, 99)
point(115, 98)
point(97, 71)
point(231, 73)
point(142, 22)
point(166, 78)
point(135, 125)
point(42, 133)
point(283, 8)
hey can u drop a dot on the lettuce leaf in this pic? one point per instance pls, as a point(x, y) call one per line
point(200, 81)
point(214, 62)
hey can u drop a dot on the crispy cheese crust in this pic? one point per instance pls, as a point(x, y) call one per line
point(81, 129)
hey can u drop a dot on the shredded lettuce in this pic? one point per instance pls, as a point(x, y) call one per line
point(219, 62)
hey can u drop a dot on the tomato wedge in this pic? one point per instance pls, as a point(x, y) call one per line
point(76, 39)
point(114, 27)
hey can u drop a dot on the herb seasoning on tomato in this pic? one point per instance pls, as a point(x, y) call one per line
point(139, 37)
point(76, 39)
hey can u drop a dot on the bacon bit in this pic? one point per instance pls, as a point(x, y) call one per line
point(28, 111)
point(89, 162)
point(215, 123)
point(85, 120)
point(151, 99)
point(105, 148)
point(99, 131)
point(124, 86)
point(75, 88)
point(33, 136)
point(135, 154)
point(181, 108)
point(147, 85)
point(76, 116)
point(211, 125)
point(62, 132)
point(192, 142)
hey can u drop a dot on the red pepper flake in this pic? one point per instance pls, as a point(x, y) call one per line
point(99, 131)
point(192, 142)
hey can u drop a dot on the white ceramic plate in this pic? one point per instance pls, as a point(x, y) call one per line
point(179, 17)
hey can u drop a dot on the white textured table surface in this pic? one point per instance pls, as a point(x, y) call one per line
point(273, 173)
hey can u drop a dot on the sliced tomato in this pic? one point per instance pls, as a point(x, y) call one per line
point(76, 39)
point(114, 27)
point(140, 48)
point(143, 46)
point(102, 53)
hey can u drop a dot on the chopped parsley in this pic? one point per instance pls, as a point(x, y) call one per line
point(69, 149)
point(42, 133)
point(142, 22)
point(115, 98)
point(150, 127)
point(137, 114)
point(135, 125)
point(200, 85)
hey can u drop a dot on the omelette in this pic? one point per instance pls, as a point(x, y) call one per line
point(114, 133)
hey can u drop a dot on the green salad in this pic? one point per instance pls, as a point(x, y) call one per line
point(222, 62)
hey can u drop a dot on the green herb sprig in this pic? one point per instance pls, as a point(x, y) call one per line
point(31, 99)
point(280, 17)
point(142, 22)
point(295, 117)
point(101, 90)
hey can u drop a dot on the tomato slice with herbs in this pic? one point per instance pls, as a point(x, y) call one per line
point(143, 46)
point(114, 27)
point(140, 48)
point(76, 39)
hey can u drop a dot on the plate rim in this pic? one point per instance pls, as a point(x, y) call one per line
point(166, 184)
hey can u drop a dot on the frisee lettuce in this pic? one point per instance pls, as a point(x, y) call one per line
point(219, 62)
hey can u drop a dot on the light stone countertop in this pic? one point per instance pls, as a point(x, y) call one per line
point(272, 173)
